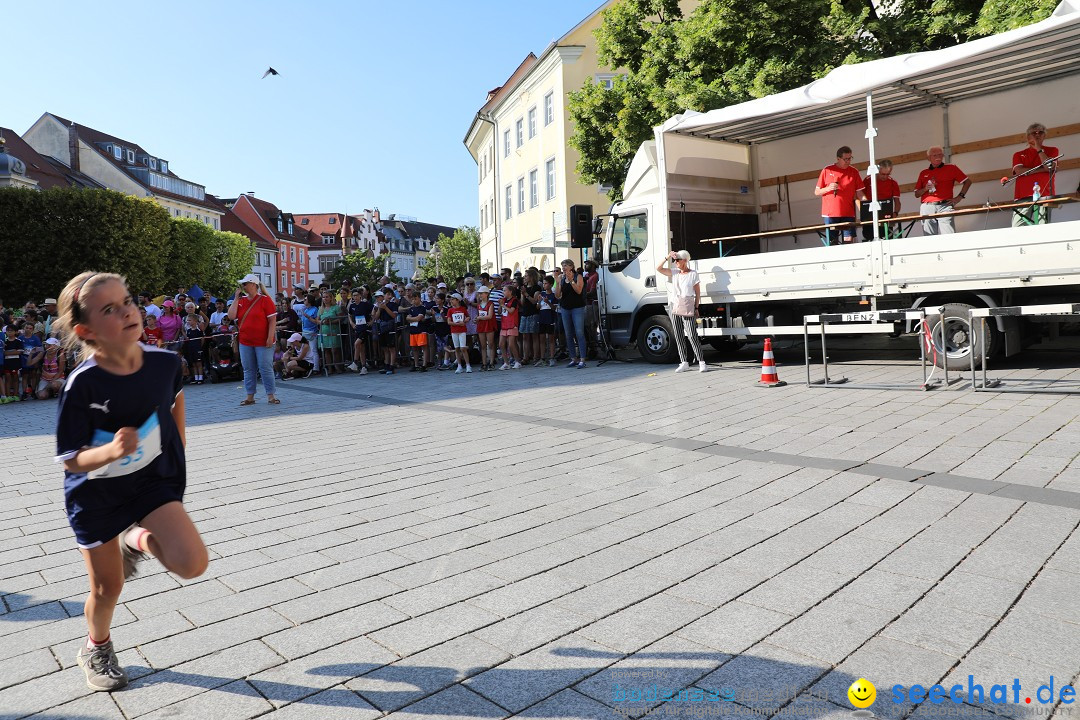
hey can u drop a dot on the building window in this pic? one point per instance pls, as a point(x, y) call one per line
point(328, 239)
point(549, 108)
point(269, 280)
point(549, 169)
point(292, 277)
point(521, 195)
point(483, 216)
point(519, 128)
point(303, 221)
point(606, 79)
point(118, 152)
point(283, 279)
point(131, 156)
point(327, 263)
point(292, 254)
point(509, 201)
point(333, 220)
point(282, 253)
point(164, 166)
point(532, 122)
point(153, 164)
point(216, 227)
point(280, 225)
point(290, 226)
point(301, 256)
point(506, 143)
point(534, 189)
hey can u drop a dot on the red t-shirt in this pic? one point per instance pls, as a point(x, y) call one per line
point(887, 188)
point(485, 325)
point(840, 203)
point(153, 335)
point(457, 317)
point(255, 327)
point(1025, 186)
point(509, 315)
point(944, 178)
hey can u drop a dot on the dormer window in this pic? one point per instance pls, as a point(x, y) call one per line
point(303, 221)
point(333, 220)
point(118, 152)
point(153, 164)
point(131, 156)
point(290, 226)
point(164, 166)
point(279, 224)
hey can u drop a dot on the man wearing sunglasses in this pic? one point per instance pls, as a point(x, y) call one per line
point(839, 186)
point(1034, 155)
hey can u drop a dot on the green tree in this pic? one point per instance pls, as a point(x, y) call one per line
point(50, 236)
point(234, 256)
point(456, 254)
point(192, 252)
point(363, 269)
point(730, 51)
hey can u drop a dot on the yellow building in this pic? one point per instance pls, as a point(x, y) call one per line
point(122, 165)
point(526, 178)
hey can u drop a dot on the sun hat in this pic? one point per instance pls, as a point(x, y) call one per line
point(295, 336)
point(380, 293)
point(456, 295)
point(441, 285)
point(483, 289)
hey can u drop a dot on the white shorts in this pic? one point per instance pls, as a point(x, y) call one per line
point(459, 340)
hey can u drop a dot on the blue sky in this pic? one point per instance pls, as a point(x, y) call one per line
point(370, 108)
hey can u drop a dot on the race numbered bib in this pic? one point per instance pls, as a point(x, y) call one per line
point(147, 451)
point(544, 305)
point(414, 323)
point(361, 320)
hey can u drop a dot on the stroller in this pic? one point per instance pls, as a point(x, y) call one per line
point(223, 366)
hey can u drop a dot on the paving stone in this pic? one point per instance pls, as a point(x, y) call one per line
point(210, 638)
point(405, 681)
point(532, 628)
point(765, 677)
point(985, 668)
point(536, 675)
point(1037, 638)
point(832, 630)
point(301, 678)
point(235, 700)
point(795, 590)
point(976, 593)
point(644, 623)
point(454, 703)
point(884, 590)
point(571, 705)
point(27, 666)
point(247, 601)
point(327, 602)
point(948, 630)
point(734, 627)
point(412, 636)
point(335, 703)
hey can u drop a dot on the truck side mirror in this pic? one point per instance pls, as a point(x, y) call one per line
point(598, 248)
point(598, 226)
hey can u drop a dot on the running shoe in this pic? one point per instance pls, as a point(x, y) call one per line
point(102, 669)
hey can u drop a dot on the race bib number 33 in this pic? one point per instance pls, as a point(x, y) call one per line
point(148, 449)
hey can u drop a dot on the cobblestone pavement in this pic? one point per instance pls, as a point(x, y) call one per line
point(558, 543)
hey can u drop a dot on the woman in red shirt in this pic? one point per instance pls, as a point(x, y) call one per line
point(256, 316)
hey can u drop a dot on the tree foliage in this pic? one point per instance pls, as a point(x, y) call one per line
point(47, 237)
point(361, 268)
point(729, 51)
point(457, 254)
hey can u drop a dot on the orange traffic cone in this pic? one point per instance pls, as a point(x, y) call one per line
point(769, 378)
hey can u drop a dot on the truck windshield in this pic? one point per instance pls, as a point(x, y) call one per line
point(629, 236)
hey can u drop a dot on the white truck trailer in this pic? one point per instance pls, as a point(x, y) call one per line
point(719, 184)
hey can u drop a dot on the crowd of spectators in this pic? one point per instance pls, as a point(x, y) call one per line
point(481, 322)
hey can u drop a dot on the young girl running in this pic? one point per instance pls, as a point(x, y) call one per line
point(120, 434)
point(458, 317)
point(508, 335)
point(486, 326)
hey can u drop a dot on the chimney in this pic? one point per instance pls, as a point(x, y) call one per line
point(250, 193)
point(73, 147)
point(375, 215)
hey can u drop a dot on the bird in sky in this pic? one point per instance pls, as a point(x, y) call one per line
point(269, 71)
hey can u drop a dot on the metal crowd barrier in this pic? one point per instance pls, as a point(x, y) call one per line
point(873, 317)
point(992, 385)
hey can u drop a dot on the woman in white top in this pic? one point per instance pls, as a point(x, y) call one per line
point(685, 300)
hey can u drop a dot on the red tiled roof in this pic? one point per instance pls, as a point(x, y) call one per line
point(270, 212)
point(231, 223)
point(318, 224)
point(93, 137)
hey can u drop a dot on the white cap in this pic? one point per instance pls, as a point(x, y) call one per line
point(442, 285)
point(483, 289)
point(296, 337)
point(52, 341)
point(380, 293)
point(250, 277)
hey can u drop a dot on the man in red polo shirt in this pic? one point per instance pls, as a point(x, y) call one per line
point(1034, 155)
point(888, 194)
point(935, 188)
point(838, 186)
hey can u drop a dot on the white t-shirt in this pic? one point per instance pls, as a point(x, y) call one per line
point(154, 310)
point(681, 291)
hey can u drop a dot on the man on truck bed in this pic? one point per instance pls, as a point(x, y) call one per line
point(935, 187)
point(838, 187)
point(1034, 155)
point(888, 193)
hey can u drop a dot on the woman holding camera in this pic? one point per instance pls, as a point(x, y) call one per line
point(684, 303)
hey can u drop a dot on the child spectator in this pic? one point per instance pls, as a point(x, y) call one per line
point(33, 351)
point(152, 333)
point(359, 312)
point(545, 299)
point(193, 348)
point(458, 317)
point(530, 318)
point(120, 434)
point(219, 314)
point(52, 371)
point(385, 318)
point(486, 327)
point(508, 335)
point(441, 331)
point(298, 360)
point(13, 353)
point(417, 316)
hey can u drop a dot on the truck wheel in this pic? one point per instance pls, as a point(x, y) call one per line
point(655, 340)
point(960, 338)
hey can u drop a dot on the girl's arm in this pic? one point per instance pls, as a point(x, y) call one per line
point(179, 418)
point(124, 442)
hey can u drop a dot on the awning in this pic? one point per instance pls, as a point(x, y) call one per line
point(1031, 54)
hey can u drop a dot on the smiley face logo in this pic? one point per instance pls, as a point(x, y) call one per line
point(862, 693)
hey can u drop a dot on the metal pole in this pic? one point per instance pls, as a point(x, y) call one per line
point(824, 357)
point(872, 171)
point(806, 348)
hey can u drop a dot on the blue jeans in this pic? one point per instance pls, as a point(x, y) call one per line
point(573, 322)
point(262, 358)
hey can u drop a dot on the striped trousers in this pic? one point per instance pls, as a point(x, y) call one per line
point(684, 326)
